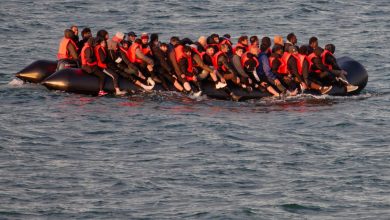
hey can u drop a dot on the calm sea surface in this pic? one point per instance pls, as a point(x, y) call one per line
point(168, 156)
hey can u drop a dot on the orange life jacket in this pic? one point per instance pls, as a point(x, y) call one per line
point(310, 59)
point(146, 50)
point(300, 59)
point(131, 53)
point(323, 56)
point(63, 52)
point(282, 67)
point(84, 60)
point(215, 61)
point(100, 62)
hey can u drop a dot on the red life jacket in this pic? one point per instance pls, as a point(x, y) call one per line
point(282, 67)
point(215, 60)
point(131, 53)
point(323, 56)
point(84, 59)
point(244, 59)
point(310, 59)
point(63, 52)
point(190, 68)
point(100, 62)
point(246, 48)
point(300, 59)
point(179, 53)
point(146, 50)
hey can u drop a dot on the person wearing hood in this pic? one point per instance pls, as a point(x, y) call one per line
point(67, 51)
point(85, 34)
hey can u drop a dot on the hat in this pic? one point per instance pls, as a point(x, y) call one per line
point(119, 35)
point(278, 40)
point(131, 33)
point(144, 36)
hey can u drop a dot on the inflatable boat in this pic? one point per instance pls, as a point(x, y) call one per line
point(74, 80)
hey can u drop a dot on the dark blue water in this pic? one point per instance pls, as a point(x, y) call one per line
point(168, 156)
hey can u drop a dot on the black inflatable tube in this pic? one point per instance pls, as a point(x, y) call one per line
point(37, 71)
point(74, 80)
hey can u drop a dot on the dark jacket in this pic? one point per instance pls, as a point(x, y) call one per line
point(161, 59)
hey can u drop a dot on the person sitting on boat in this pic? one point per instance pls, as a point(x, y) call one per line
point(250, 63)
point(236, 61)
point(176, 45)
point(279, 65)
point(162, 66)
point(324, 74)
point(67, 51)
point(242, 42)
point(186, 64)
point(103, 62)
point(145, 64)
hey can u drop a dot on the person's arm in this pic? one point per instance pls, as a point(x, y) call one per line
point(317, 63)
point(223, 60)
point(331, 60)
point(237, 65)
point(141, 56)
point(172, 58)
point(305, 72)
point(72, 51)
point(201, 64)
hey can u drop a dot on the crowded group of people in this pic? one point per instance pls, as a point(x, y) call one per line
point(251, 64)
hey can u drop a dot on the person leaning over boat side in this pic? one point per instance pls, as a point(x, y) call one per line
point(89, 64)
point(264, 68)
point(250, 62)
point(85, 34)
point(326, 75)
point(201, 44)
point(127, 69)
point(105, 65)
point(173, 46)
point(204, 70)
point(67, 51)
point(330, 61)
point(138, 58)
point(207, 59)
point(304, 70)
point(291, 41)
point(186, 64)
point(279, 66)
point(162, 66)
point(236, 61)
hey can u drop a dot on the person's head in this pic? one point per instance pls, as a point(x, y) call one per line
point(254, 40)
point(138, 41)
point(265, 44)
point(174, 40)
point(215, 38)
point(75, 30)
point(187, 51)
point(125, 44)
point(118, 37)
point(277, 49)
point(243, 40)
point(313, 42)
point(278, 40)
point(331, 48)
point(210, 51)
point(292, 38)
point(202, 41)
point(131, 36)
point(68, 33)
point(144, 38)
point(164, 47)
point(100, 41)
point(227, 36)
point(292, 49)
point(154, 38)
point(254, 50)
point(86, 33)
point(224, 48)
point(239, 51)
point(103, 33)
point(304, 50)
point(318, 51)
